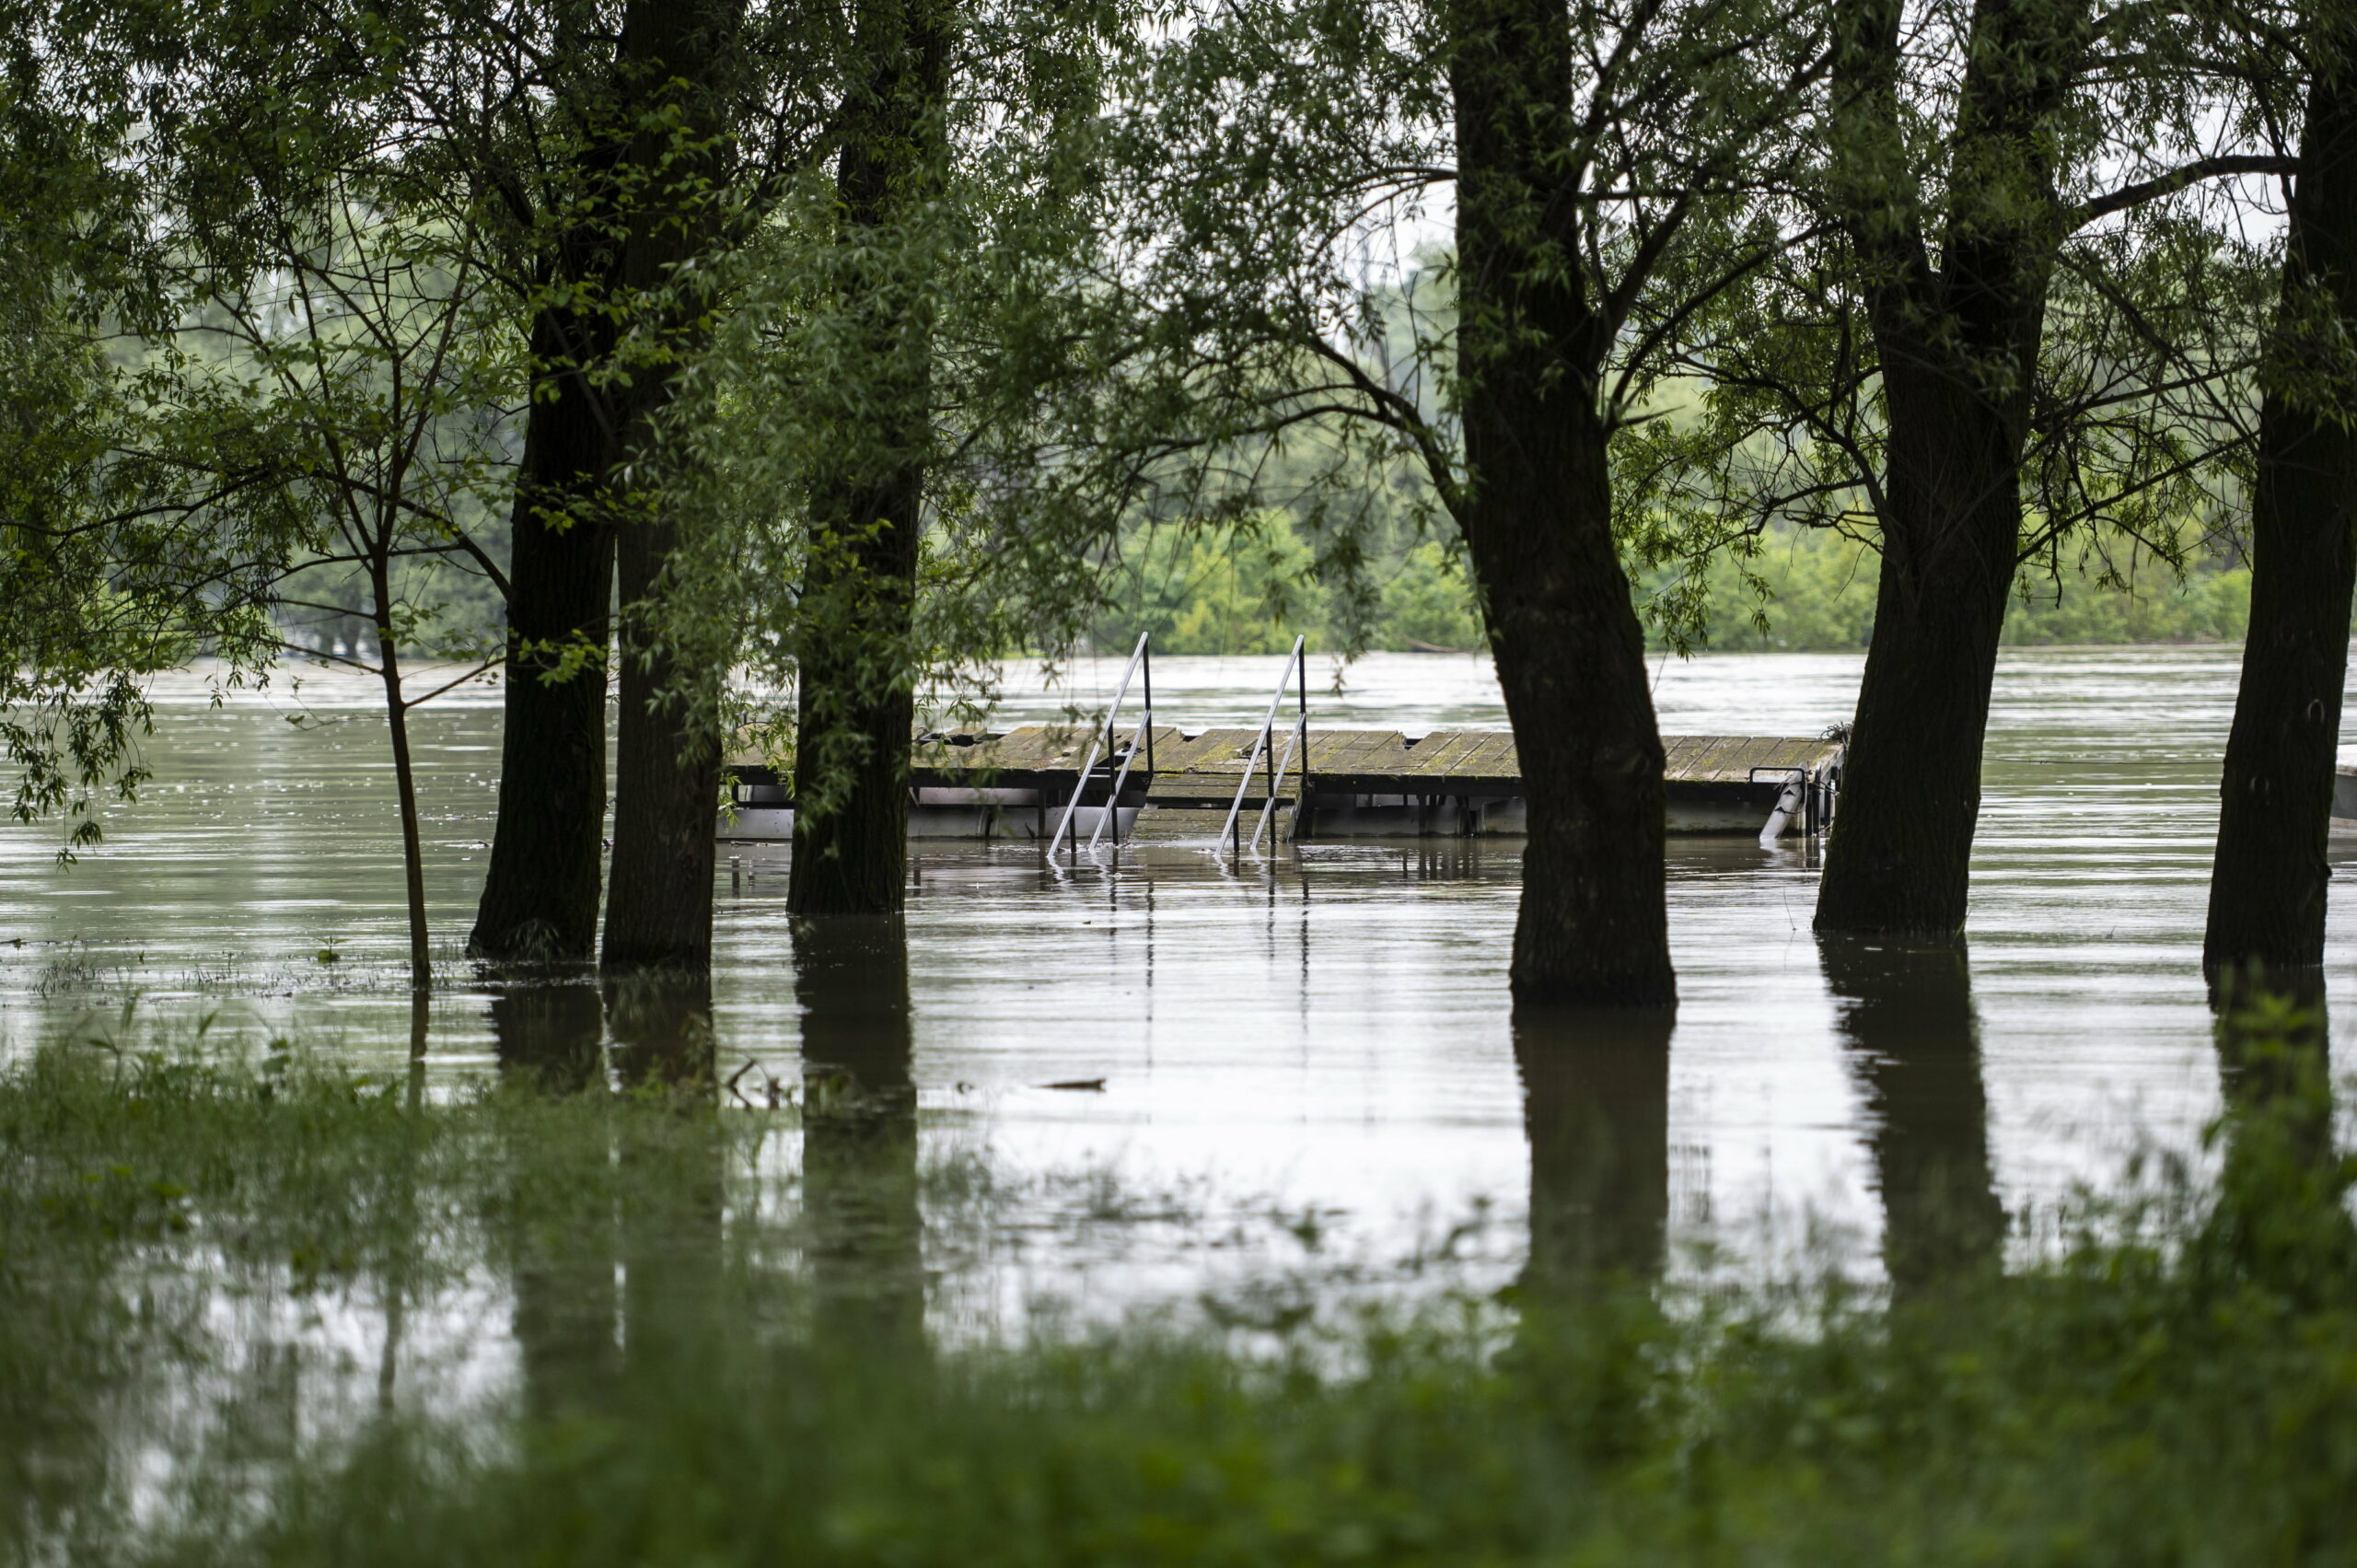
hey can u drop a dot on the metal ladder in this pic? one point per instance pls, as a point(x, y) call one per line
point(1296, 677)
point(1142, 657)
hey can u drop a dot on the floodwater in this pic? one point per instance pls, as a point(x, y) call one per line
point(1318, 1032)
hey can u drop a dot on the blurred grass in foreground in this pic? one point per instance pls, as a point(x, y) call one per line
point(699, 1379)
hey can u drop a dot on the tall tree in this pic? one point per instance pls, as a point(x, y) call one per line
point(2267, 881)
point(604, 125)
point(888, 466)
point(540, 887)
point(658, 909)
point(1606, 162)
point(1994, 307)
point(856, 665)
point(1536, 508)
point(1957, 339)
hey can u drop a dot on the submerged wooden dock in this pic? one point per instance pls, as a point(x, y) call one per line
point(1342, 783)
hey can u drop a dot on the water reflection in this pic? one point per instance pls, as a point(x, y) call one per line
point(859, 1149)
point(661, 1021)
point(549, 1031)
point(400, 1275)
point(674, 1174)
point(1906, 1021)
point(1596, 1109)
point(2275, 1056)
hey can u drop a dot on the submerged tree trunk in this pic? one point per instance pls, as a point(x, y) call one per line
point(855, 701)
point(1957, 346)
point(667, 769)
point(1899, 860)
point(539, 895)
point(666, 789)
point(2267, 885)
point(1537, 513)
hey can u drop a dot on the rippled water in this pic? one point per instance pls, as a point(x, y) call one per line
point(1325, 1029)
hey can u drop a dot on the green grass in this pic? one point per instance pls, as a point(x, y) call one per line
point(708, 1376)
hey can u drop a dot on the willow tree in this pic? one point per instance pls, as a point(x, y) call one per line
point(899, 447)
point(1956, 277)
point(2018, 336)
point(1607, 163)
point(573, 169)
point(685, 158)
point(2268, 885)
point(136, 527)
point(855, 700)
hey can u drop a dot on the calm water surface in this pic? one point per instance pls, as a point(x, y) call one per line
point(1317, 1030)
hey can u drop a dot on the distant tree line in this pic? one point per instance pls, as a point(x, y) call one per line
point(725, 348)
point(1246, 589)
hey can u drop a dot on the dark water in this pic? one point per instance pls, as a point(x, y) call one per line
point(1319, 1033)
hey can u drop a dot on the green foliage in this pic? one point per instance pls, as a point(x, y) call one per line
point(1250, 587)
point(2174, 1384)
point(1813, 589)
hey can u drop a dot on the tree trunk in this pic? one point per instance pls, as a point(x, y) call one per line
point(667, 791)
point(854, 701)
point(1537, 513)
point(421, 966)
point(539, 894)
point(1957, 346)
point(1900, 858)
point(2267, 883)
point(667, 772)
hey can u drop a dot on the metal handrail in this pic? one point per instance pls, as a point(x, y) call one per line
point(1103, 739)
point(1277, 780)
point(1296, 664)
point(1141, 736)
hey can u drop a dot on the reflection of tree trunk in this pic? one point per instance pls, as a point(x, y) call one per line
point(550, 1038)
point(859, 1158)
point(1537, 514)
point(1907, 1018)
point(662, 1024)
point(674, 1174)
point(2281, 1220)
point(1596, 1105)
point(405, 1203)
point(2267, 891)
point(2275, 1055)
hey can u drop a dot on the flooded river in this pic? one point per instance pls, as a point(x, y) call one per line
point(1319, 1035)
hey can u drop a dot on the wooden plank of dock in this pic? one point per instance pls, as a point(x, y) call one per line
point(1206, 765)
